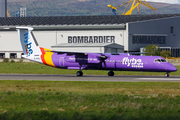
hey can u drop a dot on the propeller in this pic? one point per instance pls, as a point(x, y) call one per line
point(102, 59)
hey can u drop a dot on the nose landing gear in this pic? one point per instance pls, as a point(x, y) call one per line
point(167, 74)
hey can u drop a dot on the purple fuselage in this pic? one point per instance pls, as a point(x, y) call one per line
point(119, 62)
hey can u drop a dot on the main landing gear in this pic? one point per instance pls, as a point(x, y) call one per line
point(79, 73)
point(167, 74)
point(110, 73)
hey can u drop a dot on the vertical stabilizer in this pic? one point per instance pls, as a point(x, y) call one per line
point(28, 41)
point(31, 49)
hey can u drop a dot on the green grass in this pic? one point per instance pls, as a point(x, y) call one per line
point(89, 100)
point(36, 68)
point(54, 100)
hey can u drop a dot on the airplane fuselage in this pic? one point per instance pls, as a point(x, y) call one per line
point(118, 62)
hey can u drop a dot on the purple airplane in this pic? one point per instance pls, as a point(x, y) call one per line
point(90, 61)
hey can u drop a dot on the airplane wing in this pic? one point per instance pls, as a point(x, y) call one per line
point(99, 55)
point(69, 53)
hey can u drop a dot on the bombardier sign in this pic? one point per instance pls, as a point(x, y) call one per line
point(91, 39)
point(149, 39)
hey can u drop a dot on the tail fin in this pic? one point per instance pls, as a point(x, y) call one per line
point(28, 41)
point(31, 49)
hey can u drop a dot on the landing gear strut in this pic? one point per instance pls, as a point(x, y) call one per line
point(110, 73)
point(79, 73)
point(167, 74)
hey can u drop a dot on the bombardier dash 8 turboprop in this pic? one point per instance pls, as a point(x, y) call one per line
point(91, 61)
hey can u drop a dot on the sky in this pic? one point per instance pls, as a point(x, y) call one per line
point(166, 1)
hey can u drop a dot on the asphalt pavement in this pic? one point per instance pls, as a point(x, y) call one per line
point(102, 78)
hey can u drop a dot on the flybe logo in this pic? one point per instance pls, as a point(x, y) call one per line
point(29, 51)
point(135, 63)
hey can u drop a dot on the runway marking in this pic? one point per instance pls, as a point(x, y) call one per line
point(165, 79)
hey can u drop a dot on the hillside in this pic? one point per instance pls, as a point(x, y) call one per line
point(82, 7)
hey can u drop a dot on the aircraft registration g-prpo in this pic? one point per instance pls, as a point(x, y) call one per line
point(89, 61)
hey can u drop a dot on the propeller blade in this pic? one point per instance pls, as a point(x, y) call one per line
point(105, 64)
point(102, 60)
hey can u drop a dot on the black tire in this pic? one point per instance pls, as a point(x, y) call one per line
point(166, 75)
point(110, 73)
point(79, 73)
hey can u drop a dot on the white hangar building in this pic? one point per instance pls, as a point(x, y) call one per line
point(111, 34)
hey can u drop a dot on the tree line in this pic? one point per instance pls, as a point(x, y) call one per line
point(154, 50)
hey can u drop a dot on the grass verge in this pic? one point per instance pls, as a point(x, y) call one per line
point(36, 68)
point(89, 100)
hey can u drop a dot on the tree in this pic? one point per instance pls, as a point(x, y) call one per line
point(165, 53)
point(152, 50)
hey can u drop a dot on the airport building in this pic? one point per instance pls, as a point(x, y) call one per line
point(110, 34)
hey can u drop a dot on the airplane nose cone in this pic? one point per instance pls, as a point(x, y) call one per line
point(172, 69)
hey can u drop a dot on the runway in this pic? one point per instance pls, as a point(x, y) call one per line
point(102, 78)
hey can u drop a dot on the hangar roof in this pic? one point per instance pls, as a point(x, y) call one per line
point(79, 20)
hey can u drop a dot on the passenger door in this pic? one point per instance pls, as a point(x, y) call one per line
point(61, 62)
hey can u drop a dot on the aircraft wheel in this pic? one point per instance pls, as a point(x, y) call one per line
point(110, 73)
point(79, 73)
point(166, 75)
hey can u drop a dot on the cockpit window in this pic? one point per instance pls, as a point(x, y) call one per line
point(160, 60)
point(163, 60)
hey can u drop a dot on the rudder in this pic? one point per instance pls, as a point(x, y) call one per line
point(28, 41)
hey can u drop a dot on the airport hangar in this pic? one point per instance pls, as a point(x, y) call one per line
point(110, 34)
